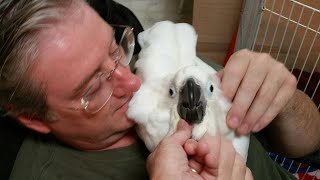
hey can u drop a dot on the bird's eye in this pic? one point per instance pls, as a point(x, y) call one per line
point(210, 87)
point(172, 92)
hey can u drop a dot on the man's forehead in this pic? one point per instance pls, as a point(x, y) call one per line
point(70, 50)
point(75, 31)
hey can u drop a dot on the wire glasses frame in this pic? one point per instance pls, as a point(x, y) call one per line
point(100, 89)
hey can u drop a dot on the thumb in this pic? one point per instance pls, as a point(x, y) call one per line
point(220, 74)
point(183, 132)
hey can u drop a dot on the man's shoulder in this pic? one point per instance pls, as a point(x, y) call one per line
point(45, 158)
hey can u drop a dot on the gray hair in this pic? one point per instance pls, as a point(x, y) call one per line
point(20, 24)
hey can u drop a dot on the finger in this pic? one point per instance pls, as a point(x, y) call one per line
point(220, 74)
point(211, 162)
point(226, 159)
point(282, 98)
point(249, 175)
point(239, 168)
point(202, 149)
point(233, 72)
point(246, 93)
point(214, 145)
point(196, 166)
point(182, 134)
point(211, 159)
point(190, 147)
point(263, 98)
point(197, 161)
point(210, 170)
point(150, 160)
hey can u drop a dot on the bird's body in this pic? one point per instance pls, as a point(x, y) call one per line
point(176, 85)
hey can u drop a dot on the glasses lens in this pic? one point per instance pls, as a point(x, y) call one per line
point(97, 95)
point(126, 43)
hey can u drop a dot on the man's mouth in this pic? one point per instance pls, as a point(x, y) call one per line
point(124, 107)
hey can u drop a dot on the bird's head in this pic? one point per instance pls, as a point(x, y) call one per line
point(193, 87)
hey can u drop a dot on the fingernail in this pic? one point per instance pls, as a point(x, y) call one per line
point(234, 122)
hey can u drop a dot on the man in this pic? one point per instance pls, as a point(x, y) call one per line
point(73, 83)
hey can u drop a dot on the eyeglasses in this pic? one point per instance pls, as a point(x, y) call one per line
point(99, 90)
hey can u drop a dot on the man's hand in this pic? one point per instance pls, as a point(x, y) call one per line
point(169, 159)
point(178, 157)
point(222, 162)
point(259, 87)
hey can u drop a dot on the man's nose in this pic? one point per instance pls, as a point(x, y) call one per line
point(124, 81)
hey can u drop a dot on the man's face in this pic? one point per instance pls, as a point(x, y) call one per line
point(71, 53)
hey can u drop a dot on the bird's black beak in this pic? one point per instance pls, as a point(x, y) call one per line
point(191, 105)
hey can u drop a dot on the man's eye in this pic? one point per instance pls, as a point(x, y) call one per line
point(93, 89)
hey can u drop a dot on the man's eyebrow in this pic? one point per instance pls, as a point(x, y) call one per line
point(84, 82)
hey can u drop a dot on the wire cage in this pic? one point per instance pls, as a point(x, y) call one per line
point(289, 31)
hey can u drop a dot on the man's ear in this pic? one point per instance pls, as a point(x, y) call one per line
point(34, 124)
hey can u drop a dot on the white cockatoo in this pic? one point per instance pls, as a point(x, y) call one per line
point(176, 85)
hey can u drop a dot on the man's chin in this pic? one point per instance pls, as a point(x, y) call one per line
point(127, 139)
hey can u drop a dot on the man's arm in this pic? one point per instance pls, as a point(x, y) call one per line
point(295, 130)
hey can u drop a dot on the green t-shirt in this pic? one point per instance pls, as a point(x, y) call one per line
point(262, 166)
point(44, 159)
